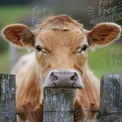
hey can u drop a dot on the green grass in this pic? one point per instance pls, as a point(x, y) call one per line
point(13, 14)
point(4, 62)
point(106, 60)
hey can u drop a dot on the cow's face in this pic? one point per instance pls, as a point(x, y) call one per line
point(62, 57)
point(61, 48)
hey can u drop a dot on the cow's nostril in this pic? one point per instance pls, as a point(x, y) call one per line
point(53, 77)
point(74, 77)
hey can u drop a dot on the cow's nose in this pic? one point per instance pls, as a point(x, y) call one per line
point(64, 78)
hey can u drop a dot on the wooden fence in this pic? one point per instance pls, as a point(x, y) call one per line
point(111, 99)
point(58, 104)
point(7, 98)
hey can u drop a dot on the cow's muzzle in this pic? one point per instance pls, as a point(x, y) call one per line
point(63, 79)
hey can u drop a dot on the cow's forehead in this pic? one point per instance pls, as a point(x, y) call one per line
point(58, 38)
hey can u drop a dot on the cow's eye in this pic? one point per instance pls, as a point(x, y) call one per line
point(38, 48)
point(83, 48)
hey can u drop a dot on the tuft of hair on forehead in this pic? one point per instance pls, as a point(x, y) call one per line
point(60, 22)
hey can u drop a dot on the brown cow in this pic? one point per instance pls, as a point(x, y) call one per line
point(60, 59)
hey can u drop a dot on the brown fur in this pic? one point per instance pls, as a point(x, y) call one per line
point(60, 37)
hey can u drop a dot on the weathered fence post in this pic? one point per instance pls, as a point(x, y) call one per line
point(58, 105)
point(7, 98)
point(111, 99)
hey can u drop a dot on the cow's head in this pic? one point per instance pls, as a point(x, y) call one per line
point(61, 45)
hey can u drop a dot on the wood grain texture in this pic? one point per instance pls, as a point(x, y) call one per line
point(7, 98)
point(58, 105)
point(111, 98)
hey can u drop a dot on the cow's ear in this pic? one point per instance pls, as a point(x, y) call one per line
point(103, 34)
point(18, 34)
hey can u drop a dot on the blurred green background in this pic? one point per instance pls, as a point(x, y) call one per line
point(101, 61)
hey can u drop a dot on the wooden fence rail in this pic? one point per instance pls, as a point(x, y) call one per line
point(58, 103)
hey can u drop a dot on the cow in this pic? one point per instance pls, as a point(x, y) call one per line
point(60, 59)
